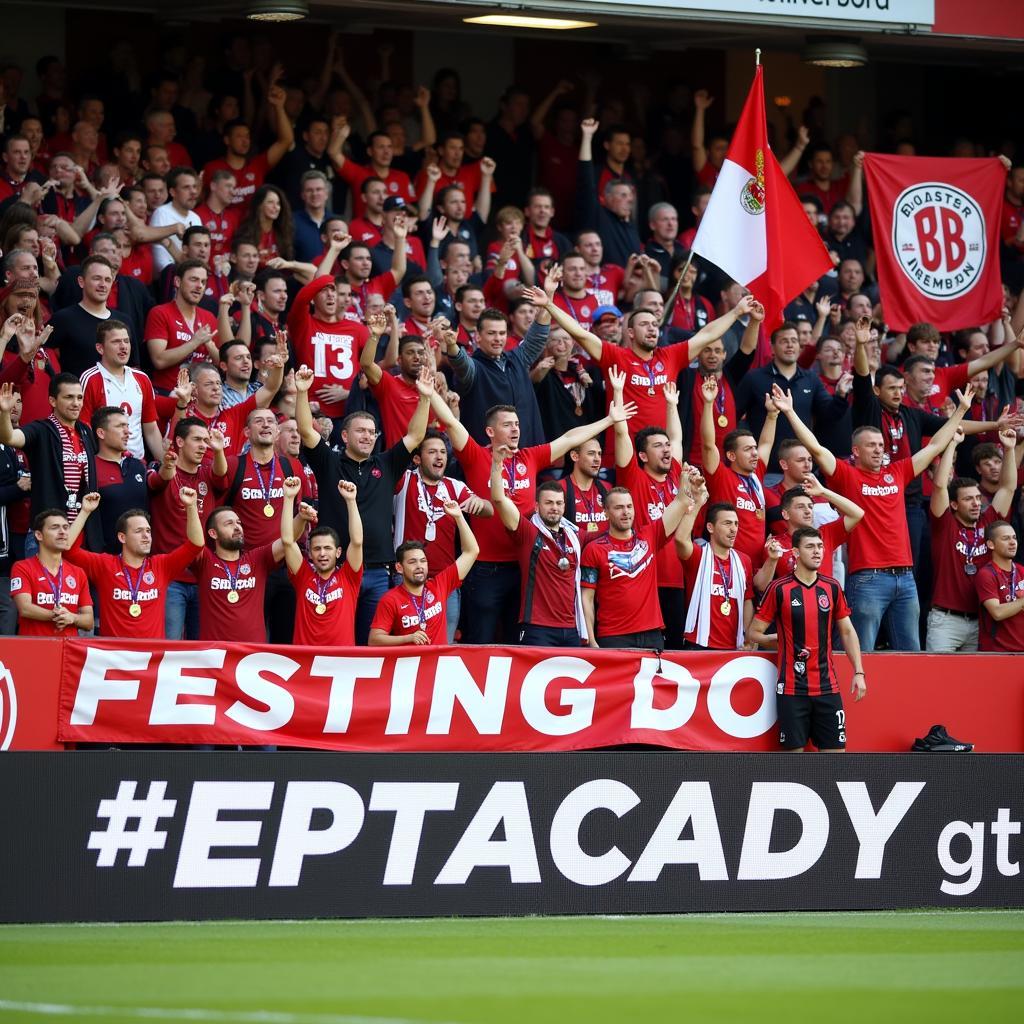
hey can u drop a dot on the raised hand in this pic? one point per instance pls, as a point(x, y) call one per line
point(452, 508)
point(671, 392)
point(425, 383)
point(620, 413)
point(303, 379)
point(964, 398)
point(863, 330)
point(473, 505)
point(773, 548)
point(1007, 438)
point(487, 167)
point(377, 323)
point(183, 387)
point(702, 99)
point(535, 296)
point(347, 490)
point(783, 399)
point(433, 173)
point(553, 280)
point(217, 440)
point(187, 496)
point(438, 228)
point(291, 487)
point(499, 454)
point(617, 379)
point(756, 311)
point(745, 307)
point(308, 514)
point(589, 127)
point(10, 327)
point(7, 398)
point(709, 389)
point(90, 501)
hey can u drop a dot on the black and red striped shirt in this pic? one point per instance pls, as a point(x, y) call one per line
point(804, 615)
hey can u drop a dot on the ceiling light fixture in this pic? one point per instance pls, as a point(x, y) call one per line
point(834, 53)
point(525, 21)
point(276, 10)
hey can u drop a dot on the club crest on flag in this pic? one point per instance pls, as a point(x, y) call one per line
point(752, 196)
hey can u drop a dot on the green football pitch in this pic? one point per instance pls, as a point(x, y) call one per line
point(873, 967)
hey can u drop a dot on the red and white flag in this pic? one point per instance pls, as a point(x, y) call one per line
point(755, 228)
point(936, 227)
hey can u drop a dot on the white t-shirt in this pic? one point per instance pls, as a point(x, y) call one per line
point(161, 217)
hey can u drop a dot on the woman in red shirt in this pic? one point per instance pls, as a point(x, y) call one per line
point(268, 225)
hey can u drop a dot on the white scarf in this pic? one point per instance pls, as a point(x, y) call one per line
point(698, 615)
point(572, 532)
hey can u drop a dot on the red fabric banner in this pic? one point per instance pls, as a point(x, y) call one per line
point(935, 222)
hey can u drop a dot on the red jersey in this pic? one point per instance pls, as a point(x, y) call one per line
point(722, 627)
point(222, 227)
point(539, 246)
point(519, 477)
point(240, 620)
point(420, 515)
point(69, 588)
point(746, 495)
point(991, 583)
point(467, 177)
point(882, 540)
point(32, 381)
point(805, 616)
point(588, 506)
point(708, 174)
point(165, 322)
point(401, 613)
point(835, 193)
point(691, 314)
point(398, 400)
point(247, 179)
point(230, 422)
point(547, 596)
point(132, 394)
point(331, 350)
point(624, 576)
point(645, 378)
point(833, 535)
point(338, 595)
point(139, 264)
point(724, 405)
point(119, 588)
point(168, 512)
point(954, 547)
point(580, 309)
point(650, 499)
point(397, 183)
point(947, 378)
point(261, 487)
point(364, 231)
point(1009, 224)
point(556, 171)
point(606, 283)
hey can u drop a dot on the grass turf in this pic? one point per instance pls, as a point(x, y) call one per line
point(926, 966)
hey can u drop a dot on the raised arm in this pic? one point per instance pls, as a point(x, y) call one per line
point(822, 456)
point(855, 190)
point(575, 437)
point(922, 458)
point(282, 125)
point(717, 328)
point(673, 424)
point(483, 195)
point(292, 553)
point(354, 551)
point(996, 356)
point(90, 502)
point(767, 439)
point(711, 457)
point(417, 428)
point(699, 153)
point(503, 505)
point(15, 438)
point(303, 414)
point(684, 531)
point(791, 160)
point(624, 451)
point(467, 539)
point(376, 324)
point(851, 512)
point(590, 343)
point(939, 501)
point(1003, 498)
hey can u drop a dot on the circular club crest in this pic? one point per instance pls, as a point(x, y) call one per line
point(8, 707)
point(938, 238)
point(823, 602)
point(752, 195)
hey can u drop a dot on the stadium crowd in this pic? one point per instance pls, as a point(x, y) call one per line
point(332, 362)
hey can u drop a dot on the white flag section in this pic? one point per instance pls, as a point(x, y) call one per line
point(732, 232)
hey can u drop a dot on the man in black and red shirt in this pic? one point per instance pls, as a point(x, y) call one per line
point(1000, 586)
point(805, 609)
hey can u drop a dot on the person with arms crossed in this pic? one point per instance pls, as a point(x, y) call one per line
point(131, 587)
point(548, 550)
point(51, 595)
point(1000, 587)
point(414, 612)
point(326, 592)
point(881, 576)
point(806, 608)
point(958, 545)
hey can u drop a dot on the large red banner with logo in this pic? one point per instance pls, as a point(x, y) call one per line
point(935, 222)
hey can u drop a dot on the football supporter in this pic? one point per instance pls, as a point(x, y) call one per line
point(131, 586)
point(476, 180)
point(707, 159)
point(796, 464)
point(181, 331)
point(326, 593)
point(690, 312)
point(1000, 587)
point(619, 575)
point(382, 255)
point(719, 579)
point(652, 474)
point(219, 215)
point(415, 612)
point(800, 507)
point(327, 342)
point(271, 302)
point(738, 479)
point(235, 362)
point(548, 550)
point(987, 460)
point(492, 589)
point(251, 171)
point(366, 229)
point(120, 477)
point(663, 222)
point(958, 547)
point(180, 208)
point(74, 326)
point(584, 491)
point(381, 152)
point(357, 265)
point(51, 594)
point(377, 476)
point(308, 218)
point(232, 577)
point(805, 610)
point(647, 367)
point(112, 381)
point(573, 296)
point(60, 449)
point(605, 280)
point(880, 580)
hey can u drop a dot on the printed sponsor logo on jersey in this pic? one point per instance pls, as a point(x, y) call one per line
point(123, 594)
point(870, 491)
point(256, 493)
point(218, 583)
point(629, 563)
point(335, 595)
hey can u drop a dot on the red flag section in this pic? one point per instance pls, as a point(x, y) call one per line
point(755, 228)
point(936, 228)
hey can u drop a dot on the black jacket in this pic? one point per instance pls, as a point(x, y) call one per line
point(619, 237)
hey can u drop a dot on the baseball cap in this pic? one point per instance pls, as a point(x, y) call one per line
point(603, 311)
point(395, 203)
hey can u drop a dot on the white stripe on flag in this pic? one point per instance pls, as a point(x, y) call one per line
point(730, 237)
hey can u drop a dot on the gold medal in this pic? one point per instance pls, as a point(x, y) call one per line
point(578, 410)
point(592, 527)
point(321, 609)
point(759, 513)
point(134, 610)
point(232, 597)
point(723, 420)
point(268, 510)
point(726, 607)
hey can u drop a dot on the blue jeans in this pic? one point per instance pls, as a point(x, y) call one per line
point(376, 583)
point(181, 615)
point(451, 610)
point(875, 596)
point(548, 636)
point(31, 544)
point(491, 593)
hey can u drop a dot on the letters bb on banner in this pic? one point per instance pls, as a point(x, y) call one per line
point(935, 222)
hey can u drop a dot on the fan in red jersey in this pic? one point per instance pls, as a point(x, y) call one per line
point(51, 595)
point(326, 592)
point(131, 587)
point(806, 608)
point(1000, 586)
point(414, 612)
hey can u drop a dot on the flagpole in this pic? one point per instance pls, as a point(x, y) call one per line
point(670, 305)
point(757, 57)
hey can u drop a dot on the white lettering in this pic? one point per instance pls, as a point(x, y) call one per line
point(535, 688)
point(343, 673)
point(724, 715)
point(569, 857)
point(279, 702)
point(875, 830)
point(644, 715)
point(410, 801)
point(757, 860)
point(94, 686)
point(453, 681)
point(171, 683)
point(973, 866)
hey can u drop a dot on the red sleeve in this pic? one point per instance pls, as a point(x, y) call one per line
point(353, 577)
point(748, 568)
point(950, 377)
point(525, 532)
point(447, 581)
point(590, 560)
point(494, 293)
point(14, 370)
point(298, 318)
point(89, 399)
point(178, 560)
point(676, 356)
point(353, 174)
point(842, 609)
point(835, 533)
point(985, 583)
point(384, 615)
point(20, 579)
point(769, 605)
point(907, 469)
point(540, 458)
point(155, 482)
point(88, 562)
point(384, 387)
point(611, 355)
point(156, 325)
point(149, 414)
point(807, 356)
point(841, 476)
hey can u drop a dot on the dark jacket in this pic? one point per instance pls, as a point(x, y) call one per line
point(10, 494)
point(619, 237)
point(734, 371)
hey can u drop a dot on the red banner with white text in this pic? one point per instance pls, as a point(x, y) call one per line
point(936, 227)
point(485, 698)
